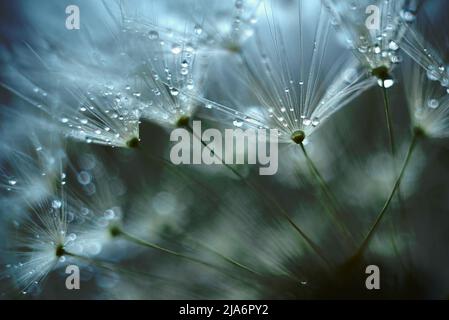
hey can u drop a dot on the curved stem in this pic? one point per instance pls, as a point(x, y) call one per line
point(327, 192)
point(301, 233)
point(129, 237)
point(236, 263)
point(392, 150)
point(224, 257)
point(389, 123)
point(381, 214)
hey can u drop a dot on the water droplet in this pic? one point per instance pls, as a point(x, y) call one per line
point(432, 73)
point(176, 48)
point(12, 182)
point(396, 58)
point(315, 121)
point(109, 214)
point(363, 49)
point(84, 178)
point(189, 48)
point(433, 103)
point(174, 92)
point(306, 122)
point(387, 83)
point(198, 29)
point(71, 237)
point(64, 120)
point(377, 49)
point(393, 45)
point(56, 204)
point(239, 4)
point(184, 64)
point(153, 35)
point(407, 15)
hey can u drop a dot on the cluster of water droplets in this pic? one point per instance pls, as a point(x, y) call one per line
point(109, 116)
point(438, 73)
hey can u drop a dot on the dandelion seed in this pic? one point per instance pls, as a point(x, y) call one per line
point(280, 64)
point(376, 46)
point(39, 247)
point(428, 102)
point(429, 54)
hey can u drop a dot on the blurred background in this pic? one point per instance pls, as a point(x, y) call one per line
point(235, 226)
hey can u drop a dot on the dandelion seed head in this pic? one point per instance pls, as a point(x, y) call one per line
point(374, 45)
point(428, 103)
point(39, 245)
point(283, 67)
point(428, 50)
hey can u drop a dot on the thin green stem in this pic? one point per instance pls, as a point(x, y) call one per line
point(236, 263)
point(224, 257)
point(129, 237)
point(327, 192)
point(389, 123)
point(301, 233)
point(381, 214)
point(392, 149)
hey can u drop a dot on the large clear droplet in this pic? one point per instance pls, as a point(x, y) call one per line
point(393, 45)
point(387, 83)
